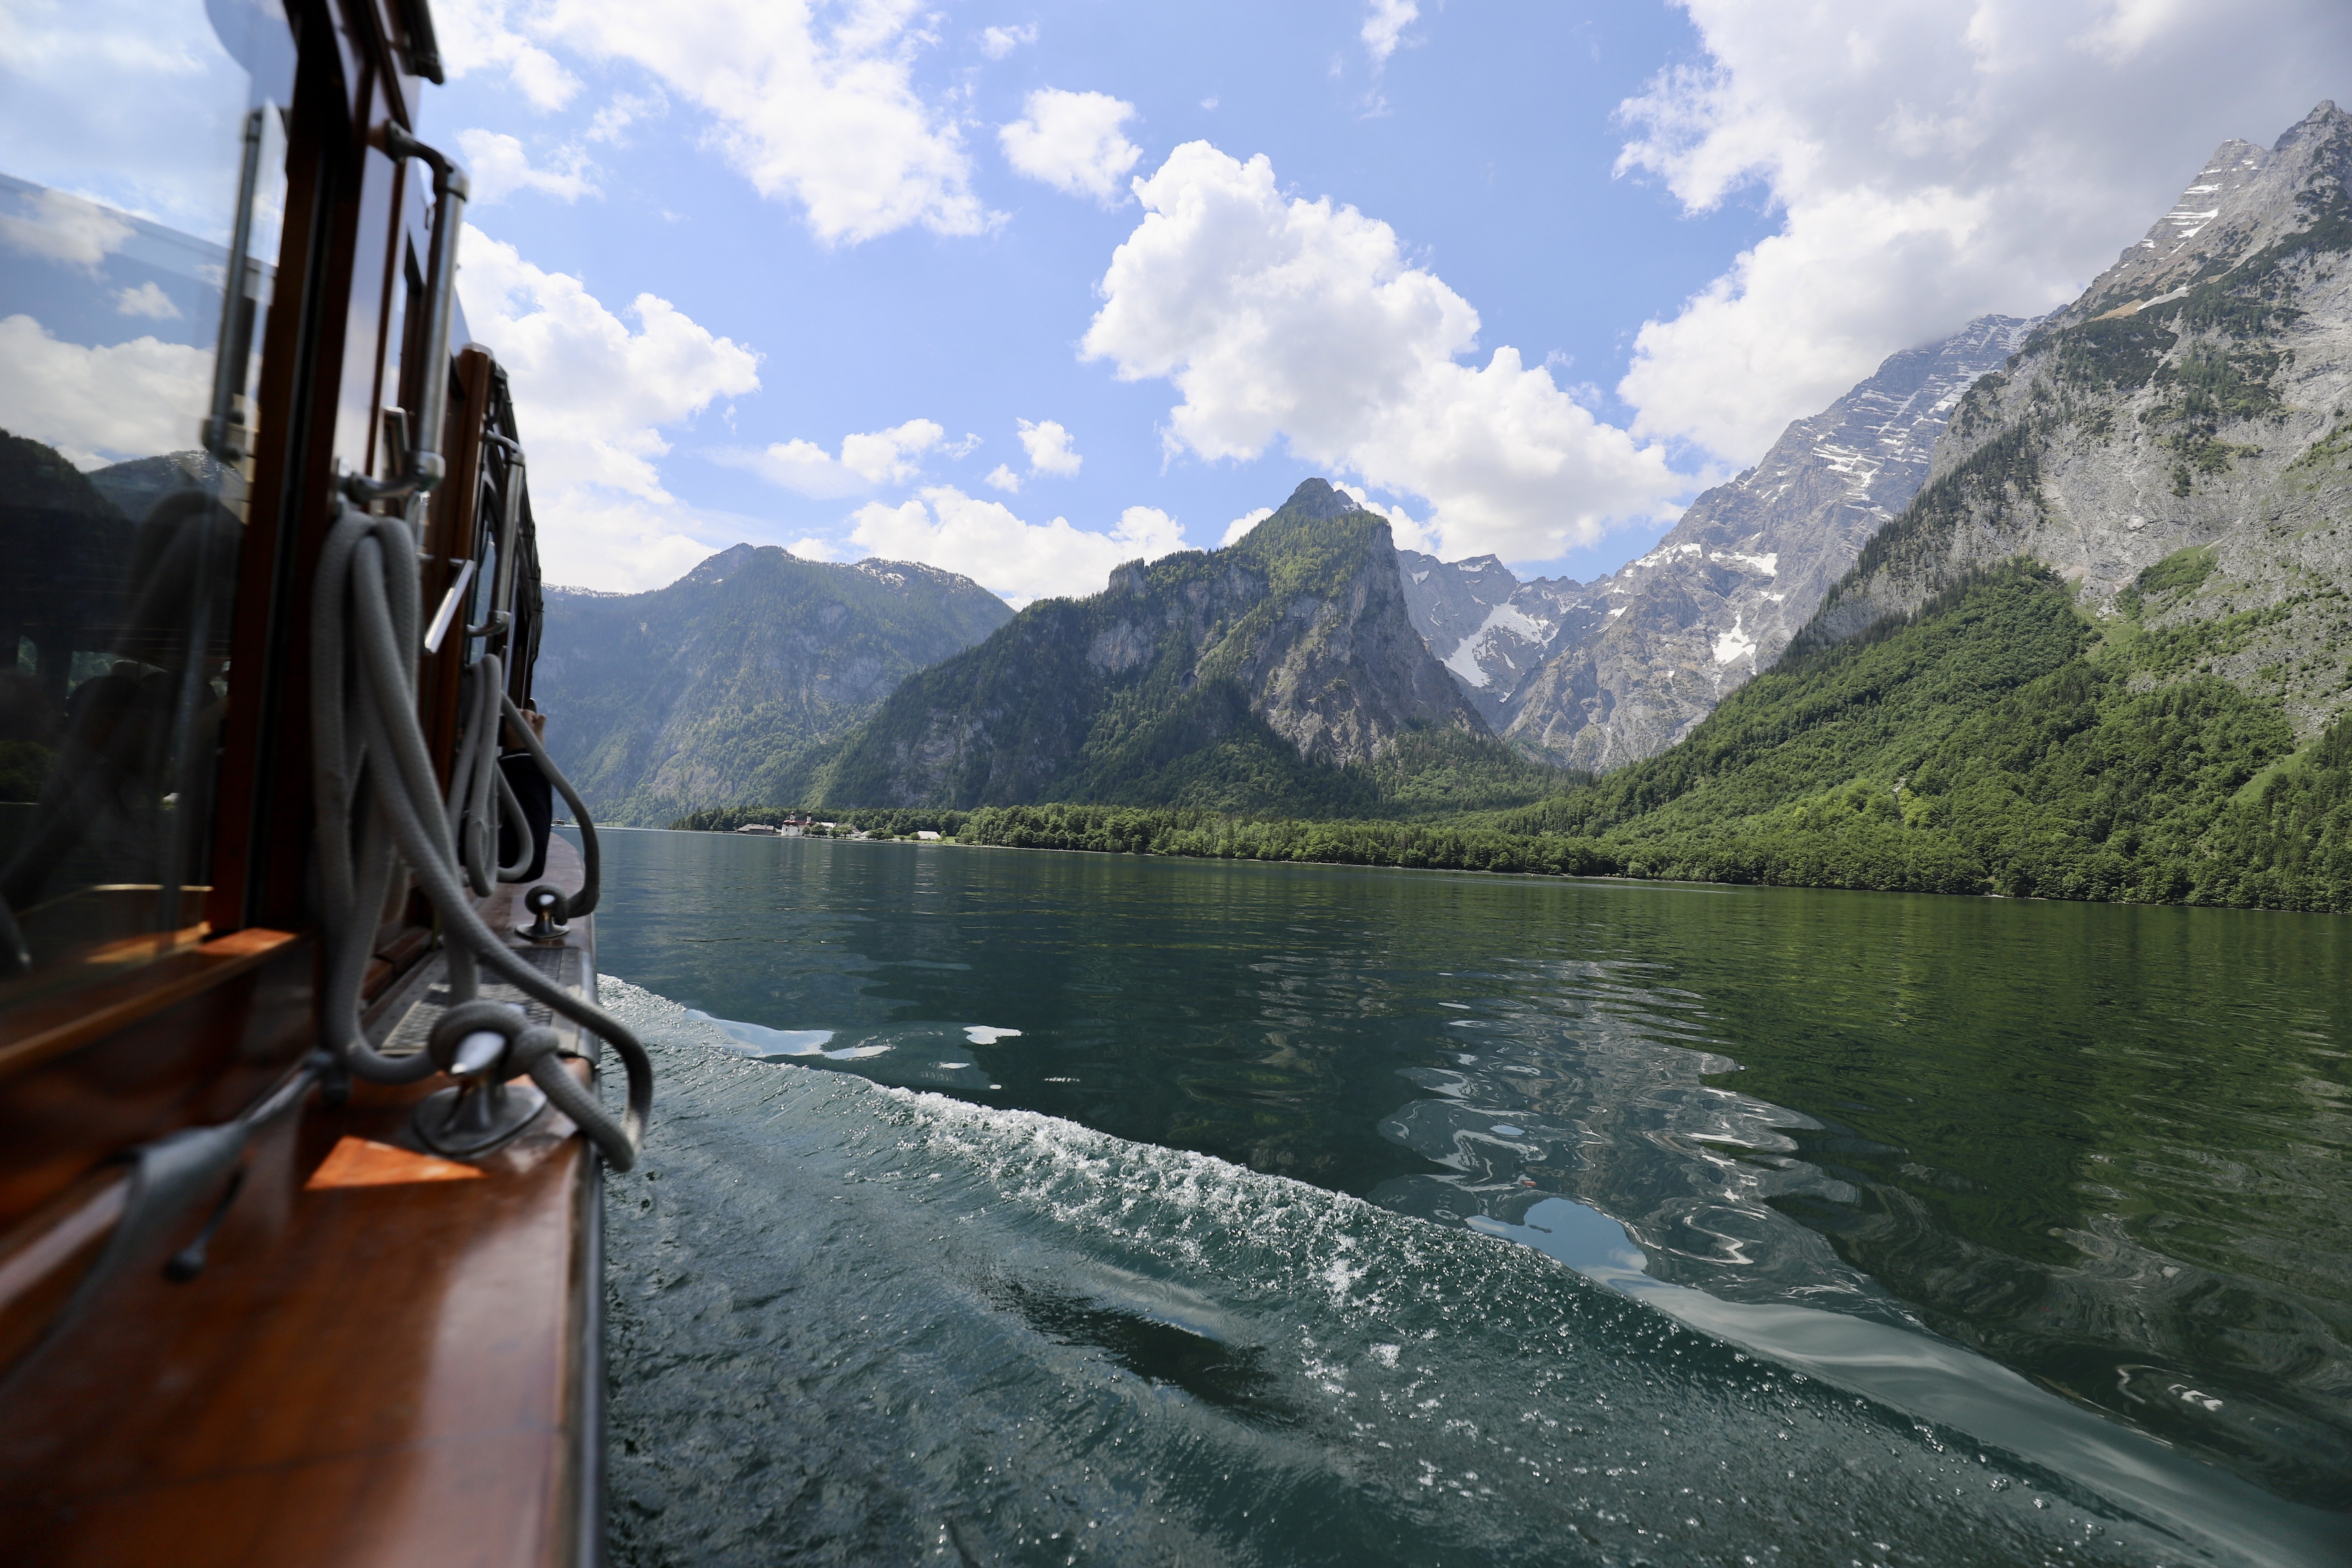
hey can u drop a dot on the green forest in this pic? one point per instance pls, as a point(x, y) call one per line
point(1999, 741)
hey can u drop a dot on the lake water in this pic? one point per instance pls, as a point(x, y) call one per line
point(1041, 1208)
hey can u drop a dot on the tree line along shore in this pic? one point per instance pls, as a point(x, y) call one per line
point(1999, 742)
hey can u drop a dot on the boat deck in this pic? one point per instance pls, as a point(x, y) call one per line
point(388, 1359)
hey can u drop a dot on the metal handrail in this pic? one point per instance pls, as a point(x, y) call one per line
point(425, 467)
point(225, 433)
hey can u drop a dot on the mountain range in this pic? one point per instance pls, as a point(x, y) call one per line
point(1590, 675)
point(1282, 672)
point(2176, 443)
point(2127, 518)
point(1600, 674)
point(727, 684)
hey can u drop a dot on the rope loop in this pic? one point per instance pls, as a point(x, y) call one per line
point(538, 1052)
point(380, 805)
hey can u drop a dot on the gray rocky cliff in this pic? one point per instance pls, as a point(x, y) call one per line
point(1340, 670)
point(1601, 674)
point(1492, 630)
point(2178, 441)
point(1292, 648)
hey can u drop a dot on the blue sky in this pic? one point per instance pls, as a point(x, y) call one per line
point(715, 243)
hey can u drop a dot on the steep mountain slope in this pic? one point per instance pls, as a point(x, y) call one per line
point(2176, 443)
point(722, 686)
point(1999, 741)
point(1282, 672)
point(1493, 631)
point(2106, 652)
point(1601, 674)
point(136, 485)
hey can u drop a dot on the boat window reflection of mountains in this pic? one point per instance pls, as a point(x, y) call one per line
point(119, 522)
point(110, 717)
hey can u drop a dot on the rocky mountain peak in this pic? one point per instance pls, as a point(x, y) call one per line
point(1317, 497)
point(725, 564)
point(2246, 198)
point(1235, 677)
point(1602, 673)
point(909, 576)
point(136, 487)
point(2175, 443)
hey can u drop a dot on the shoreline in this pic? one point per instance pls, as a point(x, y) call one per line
point(1621, 878)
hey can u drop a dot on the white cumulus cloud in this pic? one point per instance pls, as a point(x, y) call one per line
point(998, 42)
point(1930, 164)
point(890, 457)
point(101, 404)
point(475, 35)
point(1049, 449)
point(148, 300)
point(1003, 477)
point(612, 122)
point(66, 229)
point(1384, 28)
point(1282, 319)
point(814, 102)
point(986, 541)
point(1073, 141)
point(868, 459)
point(500, 166)
point(797, 465)
point(594, 397)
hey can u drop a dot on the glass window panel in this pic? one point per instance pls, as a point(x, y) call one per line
point(141, 195)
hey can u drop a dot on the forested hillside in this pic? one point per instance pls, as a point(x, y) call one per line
point(728, 684)
point(1998, 741)
point(1279, 674)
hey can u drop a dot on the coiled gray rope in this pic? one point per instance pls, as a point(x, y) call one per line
point(377, 798)
point(476, 775)
point(583, 902)
point(531, 1048)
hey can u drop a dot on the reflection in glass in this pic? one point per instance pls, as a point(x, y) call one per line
point(134, 286)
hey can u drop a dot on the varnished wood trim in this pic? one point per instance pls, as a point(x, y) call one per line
point(42, 1030)
point(146, 945)
point(263, 817)
point(365, 1163)
point(81, 1217)
point(72, 970)
point(585, 1401)
point(41, 1260)
point(394, 959)
point(243, 819)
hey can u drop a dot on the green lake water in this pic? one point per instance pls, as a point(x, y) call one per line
point(1215, 1213)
